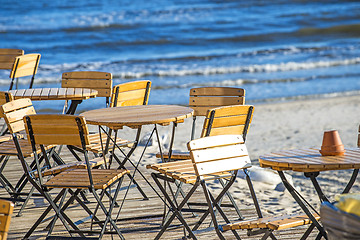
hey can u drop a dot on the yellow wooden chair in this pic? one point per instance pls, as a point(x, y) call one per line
point(6, 209)
point(25, 65)
point(13, 113)
point(100, 81)
point(7, 57)
point(214, 157)
point(201, 100)
point(233, 119)
point(72, 130)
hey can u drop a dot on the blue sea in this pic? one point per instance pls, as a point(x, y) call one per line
point(277, 50)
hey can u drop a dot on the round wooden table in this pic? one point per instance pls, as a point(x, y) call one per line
point(76, 95)
point(136, 116)
point(116, 118)
point(311, 163)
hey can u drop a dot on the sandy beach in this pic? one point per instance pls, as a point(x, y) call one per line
point(279, 126)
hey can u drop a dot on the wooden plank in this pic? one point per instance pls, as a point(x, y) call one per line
point(226, 121)
point(70, 92)
point(206, 142)
point(86, 83)
point(211, 154)
point(18, 93)
point(62, 93)
point(53, 93)
point(217, 91)
point(222, 165)
point(45, 94)
point(214, 101)
point(226, 130)
point(86, 75)
point(7, 59)
point(54, 129)
point(78, 92)
point(35, 94)
point(60, 139)
point(19, 114)
point(130, 95)
point(11, 51)
point(133, 85)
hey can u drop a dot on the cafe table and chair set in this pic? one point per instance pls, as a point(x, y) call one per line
point(103, 159)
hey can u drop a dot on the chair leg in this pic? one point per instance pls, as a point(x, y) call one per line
point(63, 217)
point(215, 203)
point(3, 180)
point(176, 210)
point(109, 211)
point(232, 200)
point(19, 214)
point(121, 166)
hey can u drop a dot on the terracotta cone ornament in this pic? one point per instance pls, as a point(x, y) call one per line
point(332, 145)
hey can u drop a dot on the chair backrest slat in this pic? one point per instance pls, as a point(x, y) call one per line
point(205, 98)
point(100, 81)
point(57, 129)
point(225, 120)
point(25, 65)
point(131, 93)
point(14, 111)
point(218, 154)
point(7, 57)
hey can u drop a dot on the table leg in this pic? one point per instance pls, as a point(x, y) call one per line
point(73, 106)
point(352, 181)
point(312, 176)
point(300, 200)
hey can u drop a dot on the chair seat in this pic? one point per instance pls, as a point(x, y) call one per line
point(8, 148)
point(273, 223)
point(184, 171)
point(60, 168)
point(95, 142)
point(178, 155)
point(79, 178)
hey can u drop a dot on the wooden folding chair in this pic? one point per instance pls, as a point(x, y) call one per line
point(100, 81)
point(233, 119)
point(214, 157)
point(7, 149)
point(6, 209)
point(25, 65)
point(13, 113)
point(7, 57)
point(201, 100)
point(72, 130)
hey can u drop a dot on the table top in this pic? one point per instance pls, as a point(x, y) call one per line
point(310, 160)
point(54, 93)
point(136, 116)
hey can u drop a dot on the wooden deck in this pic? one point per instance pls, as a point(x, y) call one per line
point(134, 206)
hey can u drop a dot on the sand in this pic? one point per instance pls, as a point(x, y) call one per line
point(278, 126)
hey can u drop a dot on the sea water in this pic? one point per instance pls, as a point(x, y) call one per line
point(276, 50)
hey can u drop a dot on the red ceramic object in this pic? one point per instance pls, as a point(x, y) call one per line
point(332, 145)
